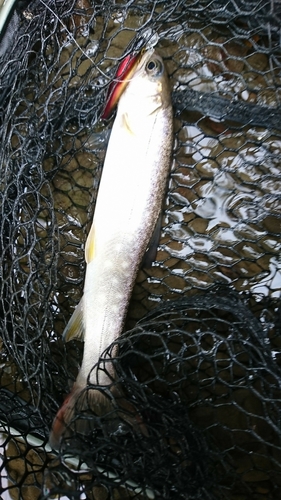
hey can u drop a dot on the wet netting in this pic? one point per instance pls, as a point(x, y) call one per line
point(199, 360)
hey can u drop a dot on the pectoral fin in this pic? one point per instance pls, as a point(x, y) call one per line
point(90, 245)
point(75, 327)
point(126, 123)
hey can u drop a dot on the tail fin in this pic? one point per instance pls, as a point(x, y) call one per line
point(110, 404)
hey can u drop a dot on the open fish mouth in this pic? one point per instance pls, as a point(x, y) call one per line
point(121, 80)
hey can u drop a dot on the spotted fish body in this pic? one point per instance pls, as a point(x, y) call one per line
point(128, 206)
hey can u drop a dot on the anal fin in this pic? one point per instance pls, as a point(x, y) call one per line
point(75, 327)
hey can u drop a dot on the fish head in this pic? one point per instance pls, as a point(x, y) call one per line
point(148, 90)
point(118, 85)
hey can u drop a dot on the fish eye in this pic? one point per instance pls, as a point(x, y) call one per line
point(154, 67)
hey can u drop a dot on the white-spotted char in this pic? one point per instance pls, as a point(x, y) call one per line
point(129, 203)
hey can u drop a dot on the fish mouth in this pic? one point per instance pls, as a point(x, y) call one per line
point(124, 72)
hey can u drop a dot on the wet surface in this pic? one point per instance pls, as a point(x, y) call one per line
point(220, 226)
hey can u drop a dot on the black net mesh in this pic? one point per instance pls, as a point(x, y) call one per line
point(200, 354)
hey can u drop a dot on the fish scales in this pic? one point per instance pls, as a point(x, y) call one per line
point(126, 214)
point(129, 202)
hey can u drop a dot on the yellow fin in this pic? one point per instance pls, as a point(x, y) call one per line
point(75, 327)
point(126, 124)
point(90, 245)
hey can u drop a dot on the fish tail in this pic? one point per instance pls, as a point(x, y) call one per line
point(64, 416)
point(112, 406)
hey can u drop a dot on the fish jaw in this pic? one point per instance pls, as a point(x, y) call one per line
point(117, 87)
point(138, 111)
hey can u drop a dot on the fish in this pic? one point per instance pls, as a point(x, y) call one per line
point(118, 85)
point(128, 206)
